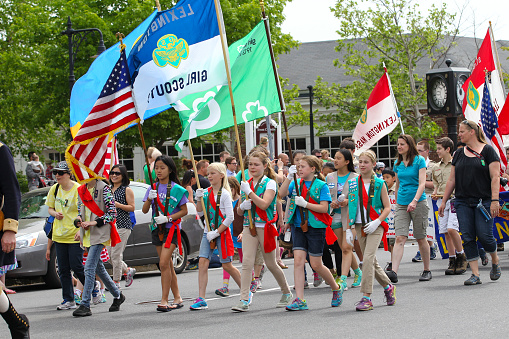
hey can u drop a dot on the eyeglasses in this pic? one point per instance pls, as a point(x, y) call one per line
point(233, 163)
point(466, 122)
point(115, 173)
point(60, 172)
point(318, 156)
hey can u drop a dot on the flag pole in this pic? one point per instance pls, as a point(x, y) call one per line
point(158, 5)
point(394, 99)
point(280, 96)
point(205, 216)
point(499, 67)
point(219, 15)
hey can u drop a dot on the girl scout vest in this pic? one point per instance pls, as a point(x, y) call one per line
point(332, 182)
point(353, 198)
point(315, 190)
point(260, 190)
point(211, 205)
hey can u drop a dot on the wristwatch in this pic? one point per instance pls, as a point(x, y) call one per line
point(170, 219)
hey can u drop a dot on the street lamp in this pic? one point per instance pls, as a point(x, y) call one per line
point(311, 126)
point(76, 37)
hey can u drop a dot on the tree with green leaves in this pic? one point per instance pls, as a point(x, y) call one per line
point(372, 32)
point(34, 69)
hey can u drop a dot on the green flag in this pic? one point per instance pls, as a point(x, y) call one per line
point(253, 85)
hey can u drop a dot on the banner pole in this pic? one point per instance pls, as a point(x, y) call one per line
point(499, 67)
point(394, 99)
point(226, 58)
point(158, 5)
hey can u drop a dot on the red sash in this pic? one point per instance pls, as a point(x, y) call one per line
point(270, 232)
point(88, 201)
point(175, 225)
point(372, 213)
point(330, 237)
point(226, 238)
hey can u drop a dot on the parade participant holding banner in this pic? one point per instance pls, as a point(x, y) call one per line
point(368, 207)
point(97, 214)
point(218, 206)
point(411, 205)
point(448, 223)
point(152, 154)
point(337, 183)
point(167, 209)
point(261, 192)
point(314, 200)
point(475, 177)
point(10, 201)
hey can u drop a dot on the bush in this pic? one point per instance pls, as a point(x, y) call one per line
point(23, 182)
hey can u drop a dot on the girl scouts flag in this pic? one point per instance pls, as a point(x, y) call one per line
point(88, 88)
point(474, 85)
point(253, 85)
point(179, 54)
point(379, 118)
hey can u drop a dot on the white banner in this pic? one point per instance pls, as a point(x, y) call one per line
point(431, 223)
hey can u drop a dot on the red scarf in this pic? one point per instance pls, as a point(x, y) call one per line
point(330, 237)
point(175, 224)
point(372, 213)
point(226, 238)
point(88, 201)
point(270, 232)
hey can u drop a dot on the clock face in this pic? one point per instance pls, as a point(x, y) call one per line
point(439, 92)
point(460, 94)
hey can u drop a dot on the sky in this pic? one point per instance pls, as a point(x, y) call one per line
point(312, 20)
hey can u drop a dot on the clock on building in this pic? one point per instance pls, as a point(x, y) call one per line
point(444, 92)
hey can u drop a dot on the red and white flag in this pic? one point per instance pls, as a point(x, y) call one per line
point(113, 112)
point(379, 118)
point(474, 85)
point(111, 157)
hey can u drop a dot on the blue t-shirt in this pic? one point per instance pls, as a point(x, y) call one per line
point(409, 180)
point(324, 196)
point(341, 183)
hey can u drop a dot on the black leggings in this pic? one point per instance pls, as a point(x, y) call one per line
point(327, 258)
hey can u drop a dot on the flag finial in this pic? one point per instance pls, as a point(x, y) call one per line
point(120, 37)
point(262, 6)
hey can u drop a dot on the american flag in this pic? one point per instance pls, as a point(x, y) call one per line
point(113, 112)
point(489, 122)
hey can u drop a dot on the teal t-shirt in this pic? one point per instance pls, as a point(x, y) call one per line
point(409, 180)
point(341, 184)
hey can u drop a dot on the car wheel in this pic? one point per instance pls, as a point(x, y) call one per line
point(51, 278)
point(180, 261)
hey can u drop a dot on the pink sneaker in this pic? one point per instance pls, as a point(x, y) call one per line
point(364, 305)
point(390, 295)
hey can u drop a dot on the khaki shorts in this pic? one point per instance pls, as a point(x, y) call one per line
point(419, 217)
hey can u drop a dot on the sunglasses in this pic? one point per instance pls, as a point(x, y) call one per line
point(60, 172)
point(466, 122)
point(115, 173)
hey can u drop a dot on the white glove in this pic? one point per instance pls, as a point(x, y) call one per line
point(246, 205)
point(212, 235)
point(300, 201)
point(161, 219)
point(349, 237)
point(341, 198)
point(152, 194)
point(372, 226)
point(199, 193)
point(291, 172)
point(245, 187)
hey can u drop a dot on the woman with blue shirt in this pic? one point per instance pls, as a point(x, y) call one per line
point(411, 204)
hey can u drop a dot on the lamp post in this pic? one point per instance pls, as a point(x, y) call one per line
point(311, 127)
point(76, 37)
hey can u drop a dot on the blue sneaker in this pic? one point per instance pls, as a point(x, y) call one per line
point(298, 305)
point(199, 304)
point(250, 300)
point(433, 251)
point(417, 257)
point(103, 298)
point(337, 298)
point(357, 279)
point(77, 298)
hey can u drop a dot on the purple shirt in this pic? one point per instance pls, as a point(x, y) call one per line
point(161, 191)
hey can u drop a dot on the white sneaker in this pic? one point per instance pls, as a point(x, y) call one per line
point(96, 293)
point(129, 277)
point(66, 305)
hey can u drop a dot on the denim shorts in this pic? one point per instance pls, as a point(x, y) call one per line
point(157, 242)
point(206, 252)
point(336, 225)
point(311, 241)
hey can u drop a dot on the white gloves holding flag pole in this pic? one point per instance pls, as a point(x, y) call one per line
point(349, 237)
point(152, 194)
point(212, 235)
point(371, 226)
point(246, 188)
point(300, 201)
point(291, 172)
point(199, 193)
point(162, 219)
point(245, 205)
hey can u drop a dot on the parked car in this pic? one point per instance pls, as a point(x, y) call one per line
point(31, 241)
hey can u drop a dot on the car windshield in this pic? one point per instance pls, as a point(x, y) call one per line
point(33, 206)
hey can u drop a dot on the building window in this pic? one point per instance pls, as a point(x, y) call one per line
point(170, 150)
point(331, 143)
point(56, 157)
point(296, 143)
point(126, 158)
point(208, 151)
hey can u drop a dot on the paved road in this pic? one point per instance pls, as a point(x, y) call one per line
point(441, 307)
